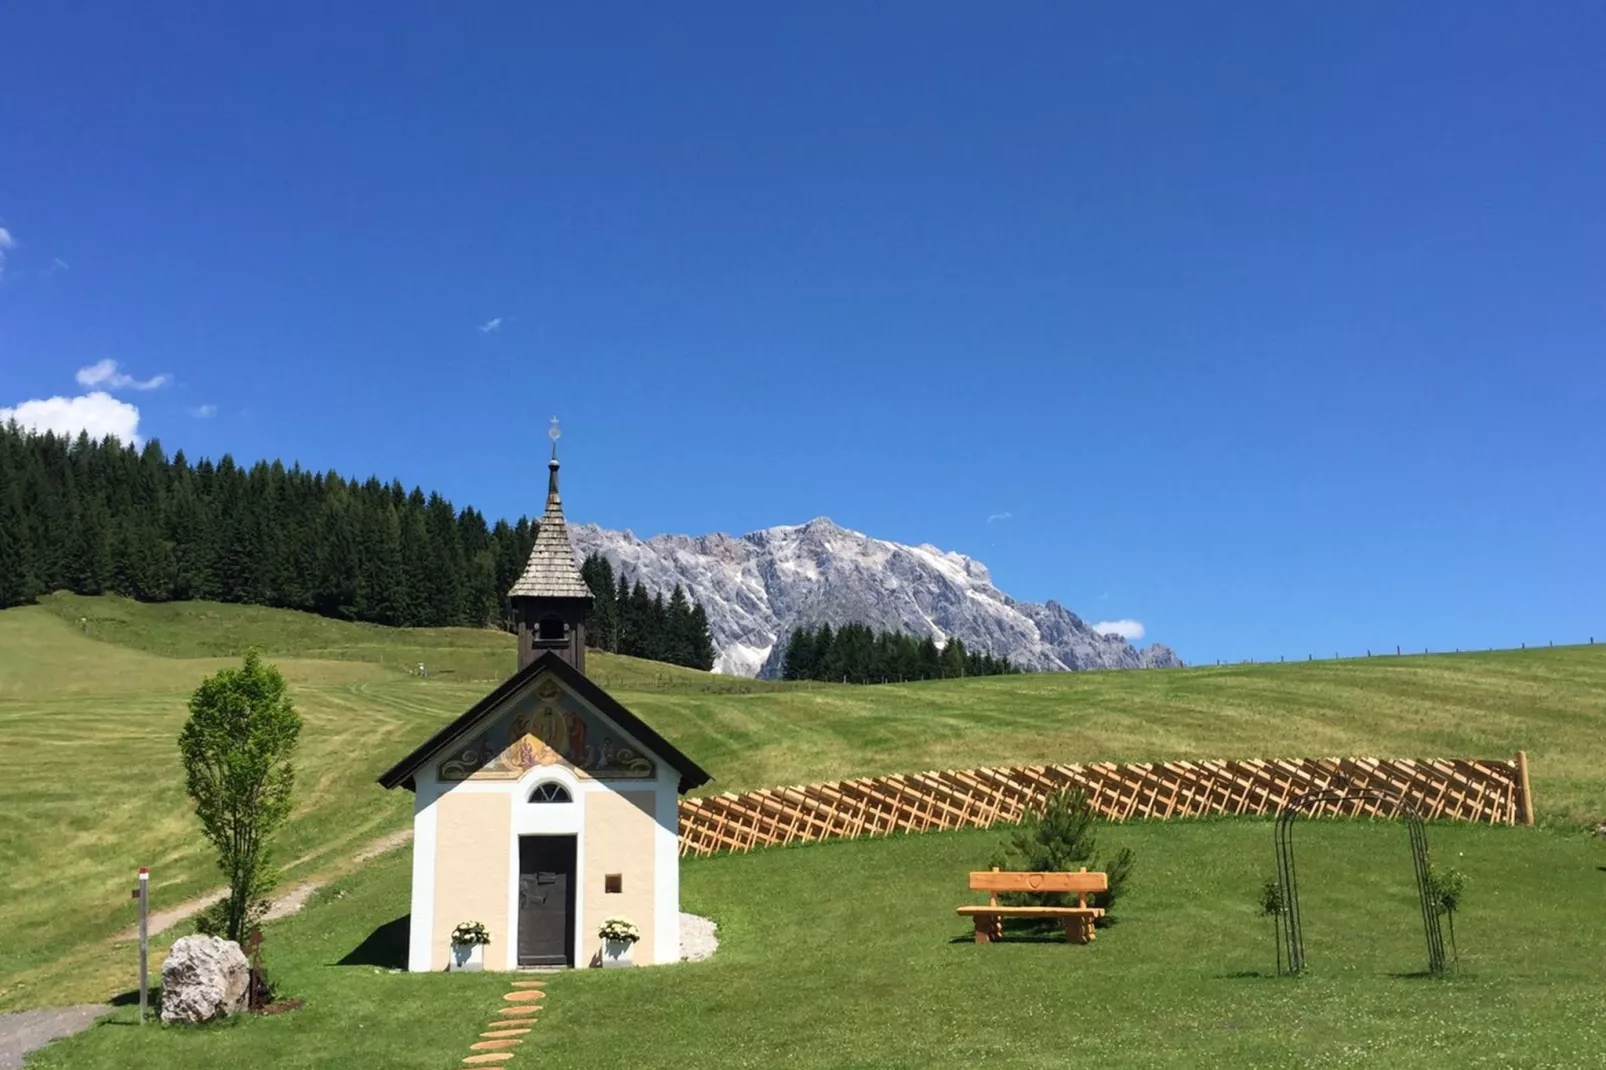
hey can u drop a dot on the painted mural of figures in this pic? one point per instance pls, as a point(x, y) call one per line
point(523, 724)
point(543, 734)
point(521, 755)
point(552, 728)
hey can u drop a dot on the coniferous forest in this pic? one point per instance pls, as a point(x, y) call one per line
point(856, 654)
point(625, 619)
point(101, 517)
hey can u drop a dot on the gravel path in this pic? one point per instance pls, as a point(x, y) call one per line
point(24, 1031)
point(285, 905)
point(697, 939)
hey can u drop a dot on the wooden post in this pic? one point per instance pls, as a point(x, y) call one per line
point(143, 894)
point(1526, 809)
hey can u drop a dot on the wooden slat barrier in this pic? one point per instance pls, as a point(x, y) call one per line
point(1486, 791)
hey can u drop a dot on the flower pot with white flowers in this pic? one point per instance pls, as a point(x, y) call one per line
point(618, 936)
point(468, 946)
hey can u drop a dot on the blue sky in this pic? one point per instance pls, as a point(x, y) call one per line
point(1278, 328)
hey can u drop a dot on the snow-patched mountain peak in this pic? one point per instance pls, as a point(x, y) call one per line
point(758, 587)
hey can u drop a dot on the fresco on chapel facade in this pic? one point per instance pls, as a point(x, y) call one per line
point(546, 727)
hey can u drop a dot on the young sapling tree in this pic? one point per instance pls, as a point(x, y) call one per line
point(236, 747)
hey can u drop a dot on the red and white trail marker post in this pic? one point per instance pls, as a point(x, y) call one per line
point(143, 894)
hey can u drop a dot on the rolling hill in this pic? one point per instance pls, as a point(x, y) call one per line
point(93, 691)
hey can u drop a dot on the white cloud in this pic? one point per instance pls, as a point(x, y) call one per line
point(1130, 630)
point(104, 373)
point(56, 264)
point(97, 413)
point(1000, 516)
point(6, 242)
point(203, 412)
point(491, 325)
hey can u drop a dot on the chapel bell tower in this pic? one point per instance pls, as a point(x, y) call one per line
point(550, 599)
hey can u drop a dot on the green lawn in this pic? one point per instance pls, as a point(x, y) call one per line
point(92, 694)
point(849, 955)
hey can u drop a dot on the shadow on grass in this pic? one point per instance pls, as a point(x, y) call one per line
point(131, 999)
point(1022, 937)
point(1029, 931)
point(1246, 975)
point(385, 947)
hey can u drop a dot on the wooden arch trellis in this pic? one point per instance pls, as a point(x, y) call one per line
point(1287, 877)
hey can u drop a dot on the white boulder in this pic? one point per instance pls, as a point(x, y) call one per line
point(203, 978)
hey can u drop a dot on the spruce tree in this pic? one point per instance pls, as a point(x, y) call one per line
point(953, 659)
point(17, 579)
point(702, 653)
point(415, 560)
point(480, 557)
point(602, 621)
point(379, 595)
point(679, 644)
point(797, 663)
point(827, 658)
point(625, 635)
point(657, 632)
point(643, 640)
point(336, 590)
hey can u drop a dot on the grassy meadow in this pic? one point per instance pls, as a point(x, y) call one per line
point(93, 691)
point(850, 955)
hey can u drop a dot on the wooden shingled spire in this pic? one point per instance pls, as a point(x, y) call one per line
point(550, 598)
point(551, 571)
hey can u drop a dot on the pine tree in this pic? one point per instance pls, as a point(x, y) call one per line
point(379, 595)
point(89, 564)
point(336, 590)
point(480, 592)
point(18, 583)
point(602, 622)
point(415, 560)
point(798, 662)
point(678, 641)
point(443, 593)
point(827, 658)
point(953, 659)
point(624, 636)
point(702, 652)
point(643, 641)
point(657, 631)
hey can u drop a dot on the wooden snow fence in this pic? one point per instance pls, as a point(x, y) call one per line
point(1491, 792)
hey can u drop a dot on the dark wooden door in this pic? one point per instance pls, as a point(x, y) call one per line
point(546, 901)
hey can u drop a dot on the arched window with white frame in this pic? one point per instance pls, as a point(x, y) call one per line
point(550, 791)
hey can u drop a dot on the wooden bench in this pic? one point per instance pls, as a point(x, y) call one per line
point(1078, 919)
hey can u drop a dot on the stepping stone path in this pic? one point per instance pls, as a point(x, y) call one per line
point(491, 1047)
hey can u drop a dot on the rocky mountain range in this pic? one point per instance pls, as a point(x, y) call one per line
point(757, 587)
